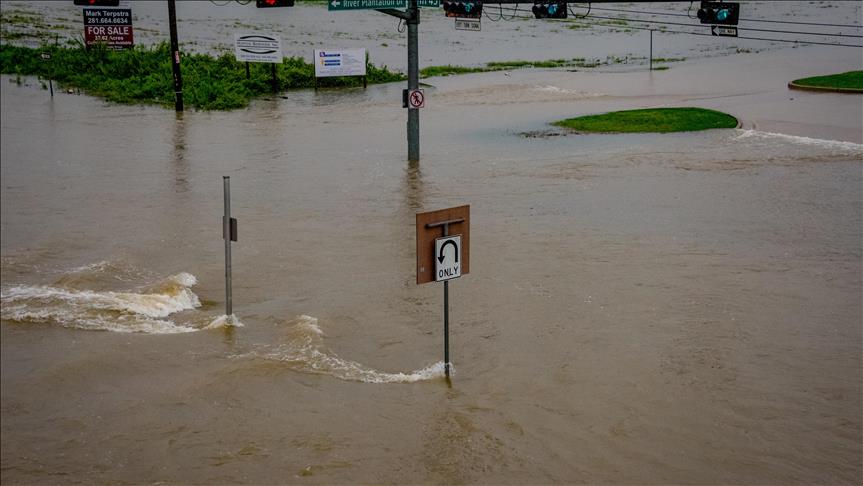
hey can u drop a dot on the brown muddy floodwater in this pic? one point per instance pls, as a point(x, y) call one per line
point(641, 309)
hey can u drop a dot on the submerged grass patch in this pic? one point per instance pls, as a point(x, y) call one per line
point(849, 80)
point(656, 120)
point(449, 69)
point(143, 75)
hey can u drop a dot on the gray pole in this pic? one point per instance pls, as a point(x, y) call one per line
point(226, 232)
point(446, 316)
point(413, 80)
point(175, 56)
point(651, 49)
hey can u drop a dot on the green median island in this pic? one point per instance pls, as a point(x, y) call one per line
point(850, 82)
point(651, 120)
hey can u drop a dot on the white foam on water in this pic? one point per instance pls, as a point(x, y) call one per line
point(850, 147)
point(109, 311)
point(306, 353)
point(224, 321)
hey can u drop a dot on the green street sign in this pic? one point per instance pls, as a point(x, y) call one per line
point(364, 4)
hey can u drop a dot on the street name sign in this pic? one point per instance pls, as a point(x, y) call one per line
point(468, 24)
point(365, 4)
point(446, 224)
point(257, 47)
point(723, 31)
point(447, 259)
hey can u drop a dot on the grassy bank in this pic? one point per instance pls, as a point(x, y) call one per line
point(143, 75)
point(660, 120)
point(852, 80)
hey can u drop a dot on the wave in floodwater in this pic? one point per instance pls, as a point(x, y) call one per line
point(305, 352)
point(142, 310)
point(849, 148)
point(224, 321)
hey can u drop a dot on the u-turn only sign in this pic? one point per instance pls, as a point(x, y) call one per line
point(447, 263)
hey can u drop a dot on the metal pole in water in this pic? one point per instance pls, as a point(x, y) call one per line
point(413, 80)
point(446, 316)
point(226, 232)
point(651, 49)
point(175, 56)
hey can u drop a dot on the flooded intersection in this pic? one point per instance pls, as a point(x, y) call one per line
point(641, 308)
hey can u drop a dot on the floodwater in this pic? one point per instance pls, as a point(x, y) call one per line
point(641, 309)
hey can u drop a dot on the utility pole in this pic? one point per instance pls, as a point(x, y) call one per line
point(411, 16)
point(413, 80)
point(175, 56)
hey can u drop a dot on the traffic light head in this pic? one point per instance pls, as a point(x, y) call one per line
point(98, 3)
point(553, 10)
point(719, 13)
point(464, 10)
point(274, 3)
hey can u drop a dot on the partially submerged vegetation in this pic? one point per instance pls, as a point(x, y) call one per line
point(852, 81)
point(657, 120)
point(143, 75)
point(576, 62)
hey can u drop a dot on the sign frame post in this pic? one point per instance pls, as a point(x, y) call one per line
point(427, 228)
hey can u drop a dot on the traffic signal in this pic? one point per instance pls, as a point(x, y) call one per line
point(274, 3)
point(719, 13)
point(98, 3)
point(553, 10)
point(464, 10)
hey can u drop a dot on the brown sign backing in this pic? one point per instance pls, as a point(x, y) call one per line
point(426, 237)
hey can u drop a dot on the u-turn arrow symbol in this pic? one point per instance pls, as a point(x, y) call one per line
point(441, 257)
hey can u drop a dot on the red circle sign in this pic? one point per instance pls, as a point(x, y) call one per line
point(417, 99)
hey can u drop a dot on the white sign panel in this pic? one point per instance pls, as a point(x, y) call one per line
point(468, 24)
point(340, 62)
point(258, 47)
point(447, 252)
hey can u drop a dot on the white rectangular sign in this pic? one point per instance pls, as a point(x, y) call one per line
point(258, 47)
point(340, 62)
point(447, 258)
point(468, 24)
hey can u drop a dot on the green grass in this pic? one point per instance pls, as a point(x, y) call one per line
point(143, 75)
point(849, 80)
point(449, 69)
point(657, 120)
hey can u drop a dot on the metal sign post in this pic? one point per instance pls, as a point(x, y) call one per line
point(229, 233)
point(443, 258)
point(175, 56)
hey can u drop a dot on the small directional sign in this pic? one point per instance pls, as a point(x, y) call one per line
point(723, 31)
point(468, 24)
point(447, 258)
